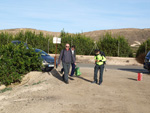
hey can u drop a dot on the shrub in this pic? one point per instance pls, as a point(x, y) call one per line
point(114, 46)
point(83, 44)
point(142, 51)
point(144, 48)
point(141, 58)
point(15, 61)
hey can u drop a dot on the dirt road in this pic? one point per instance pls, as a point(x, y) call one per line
point(45, 93)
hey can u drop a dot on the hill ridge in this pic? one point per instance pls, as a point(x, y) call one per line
point(133, 35)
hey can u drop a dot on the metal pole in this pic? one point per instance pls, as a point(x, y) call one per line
point(26, 40)
point(145, 47)
point(118, 47)
point(48, 47)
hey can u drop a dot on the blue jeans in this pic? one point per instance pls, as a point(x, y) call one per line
point(66, 68)
point(96, 68)
point(73, 69)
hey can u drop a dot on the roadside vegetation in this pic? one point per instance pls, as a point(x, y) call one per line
point(142, 51)
point(112, 46)
point(5, 89)
point(115, 46)
point(15, 61)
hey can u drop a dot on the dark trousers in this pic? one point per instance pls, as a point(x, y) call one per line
point(73, 69)
point(66, 68)
point(96, 68)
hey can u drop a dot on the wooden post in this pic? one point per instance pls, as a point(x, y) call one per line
point(56, 41)
point(55, 54)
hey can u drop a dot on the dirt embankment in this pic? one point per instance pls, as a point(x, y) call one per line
point(47, 93)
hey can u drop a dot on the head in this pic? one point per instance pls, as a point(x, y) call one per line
point(67, 46)
point(73, 47)
point(97, 52)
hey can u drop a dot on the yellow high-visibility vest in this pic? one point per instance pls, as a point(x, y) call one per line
point(99, 57)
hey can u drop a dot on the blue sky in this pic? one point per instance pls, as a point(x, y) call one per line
point(74, 16)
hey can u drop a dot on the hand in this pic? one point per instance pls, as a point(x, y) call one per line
point(75, 63)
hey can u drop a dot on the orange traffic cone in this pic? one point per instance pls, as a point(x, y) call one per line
point(139, 78)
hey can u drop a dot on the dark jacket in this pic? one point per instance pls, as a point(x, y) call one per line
point(74, 55)
point(66, 56)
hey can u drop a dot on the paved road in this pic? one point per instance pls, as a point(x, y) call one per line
point(137, 69)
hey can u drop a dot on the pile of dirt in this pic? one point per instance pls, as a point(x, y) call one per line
point(34, 77)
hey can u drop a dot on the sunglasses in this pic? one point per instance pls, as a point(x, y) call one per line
point(67, 46)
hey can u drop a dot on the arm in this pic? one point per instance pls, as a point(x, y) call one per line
point(60, 57)
point(73, 58)
point(75, 54)
point(95, 58)
point(103, 59)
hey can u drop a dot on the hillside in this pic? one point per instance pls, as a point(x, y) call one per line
point(134, 36)
point(15, 31)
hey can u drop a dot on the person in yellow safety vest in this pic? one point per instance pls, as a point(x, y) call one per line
point(99, 65)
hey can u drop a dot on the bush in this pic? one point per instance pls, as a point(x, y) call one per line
point(141, 58)
point(144, 48)
point(82, 43)
point(15, 61)
point(142, 51)
point(112, 46)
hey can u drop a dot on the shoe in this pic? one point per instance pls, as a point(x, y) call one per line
point(61, 72)
point(67, 82)
point(94, 82)
point(100, 83)
point(71, 75)
point(63, 77)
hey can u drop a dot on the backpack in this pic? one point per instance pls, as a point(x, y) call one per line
point(103, 55)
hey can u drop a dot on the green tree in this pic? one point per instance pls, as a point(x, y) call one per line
point(15, 61)
point(112, 46)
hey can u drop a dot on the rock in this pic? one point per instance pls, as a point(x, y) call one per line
point(2, 87)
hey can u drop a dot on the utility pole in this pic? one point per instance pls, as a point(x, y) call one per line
point(145, 47)
point(56, 41)
point(118, 48)
point(26, 40)
point(55, 53)
point(48, 47)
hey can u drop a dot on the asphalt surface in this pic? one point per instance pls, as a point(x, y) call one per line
point(132, 68)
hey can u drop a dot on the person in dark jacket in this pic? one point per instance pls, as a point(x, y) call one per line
point(72, 64)
point(67, 58)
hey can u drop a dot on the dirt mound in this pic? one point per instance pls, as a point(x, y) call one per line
point(35, 77)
